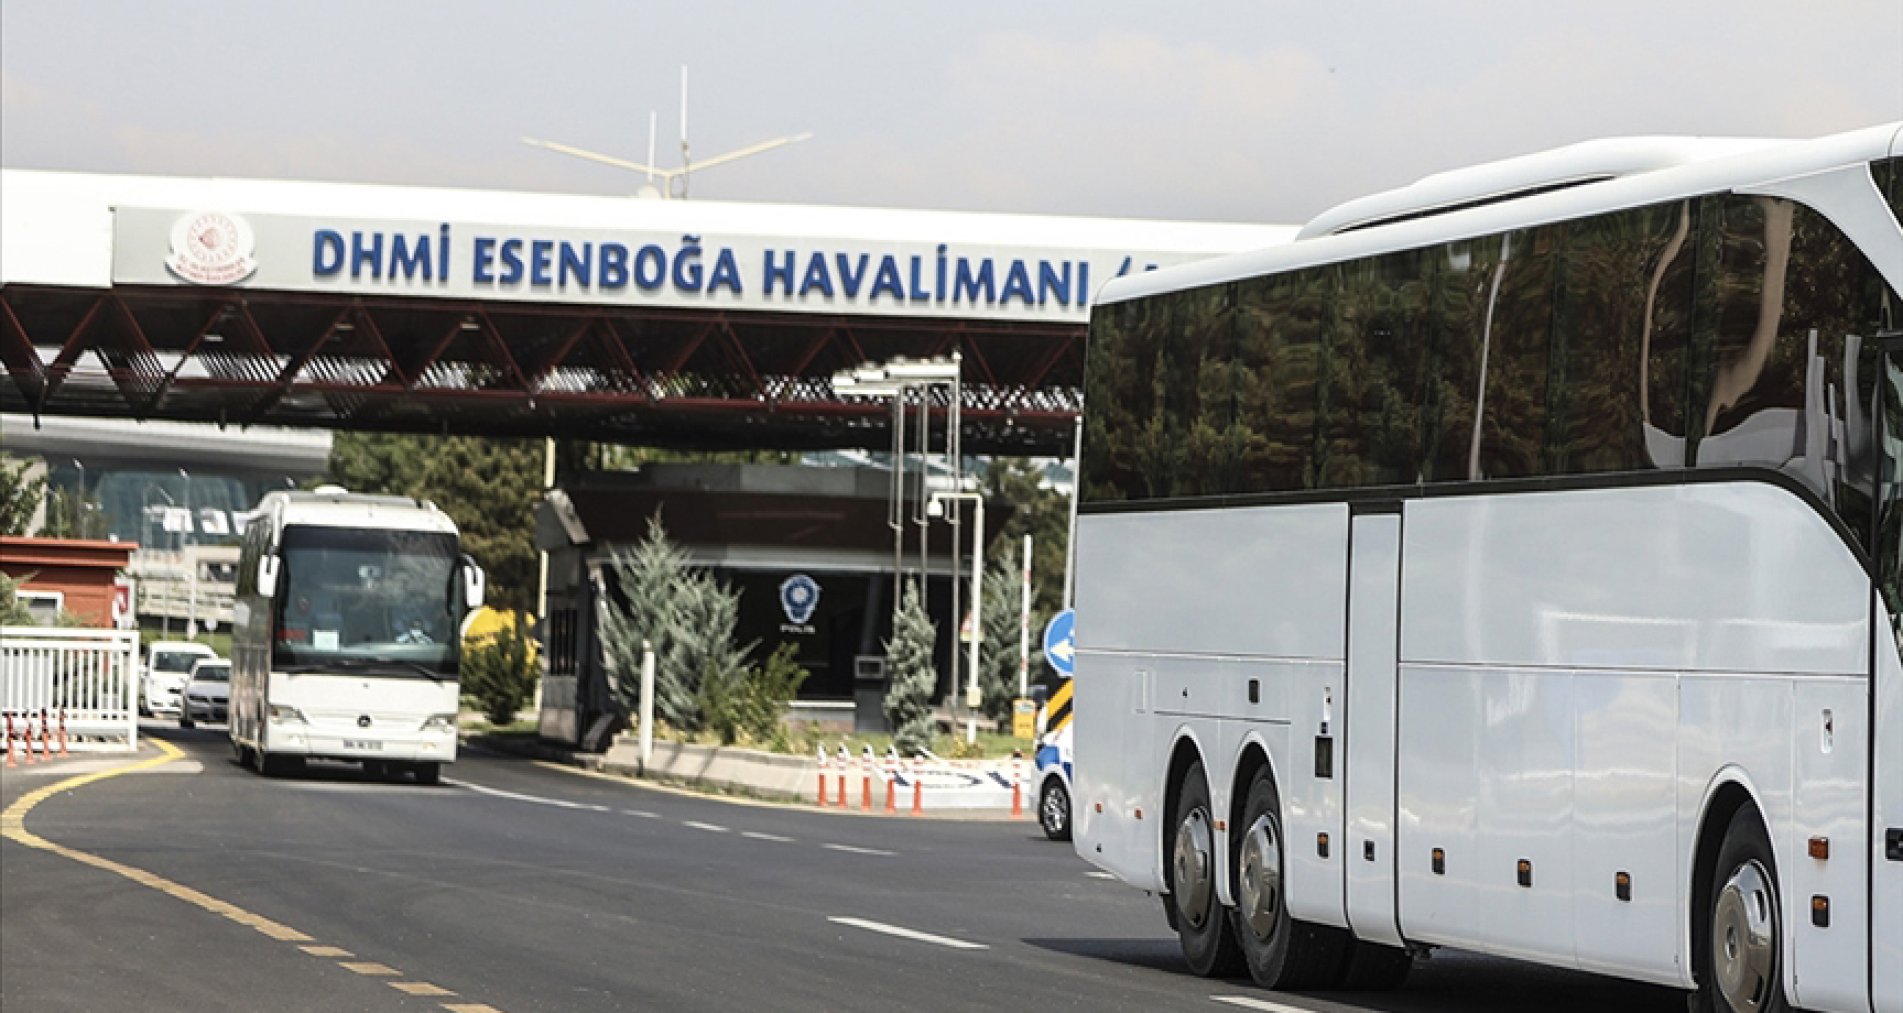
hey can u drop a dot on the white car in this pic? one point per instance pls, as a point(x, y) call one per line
point(168, 663)
point(207, 693)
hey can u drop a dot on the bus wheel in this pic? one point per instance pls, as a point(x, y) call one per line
point(1739, 970)
point(1281, 952)
point(1209, 942)
point(428, 773)
point(1053, 810)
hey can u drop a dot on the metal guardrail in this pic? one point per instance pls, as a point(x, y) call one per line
point(89, 678)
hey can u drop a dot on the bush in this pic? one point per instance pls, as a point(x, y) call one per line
point(751, 706)
point(500, 674)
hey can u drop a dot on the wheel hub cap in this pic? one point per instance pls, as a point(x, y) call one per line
point(1260, 878)
point(1055, 809)
point(1743, 938)
point(1192, 885)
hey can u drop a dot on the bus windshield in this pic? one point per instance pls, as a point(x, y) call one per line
point(367, 601)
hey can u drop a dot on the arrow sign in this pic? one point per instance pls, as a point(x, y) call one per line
point(1060, 643)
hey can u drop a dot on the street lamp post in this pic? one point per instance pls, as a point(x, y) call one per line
point(972, 695)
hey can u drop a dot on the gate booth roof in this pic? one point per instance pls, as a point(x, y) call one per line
point(700, 325)
point(741, 514)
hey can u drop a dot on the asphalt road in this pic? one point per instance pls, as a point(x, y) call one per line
point(518, 887)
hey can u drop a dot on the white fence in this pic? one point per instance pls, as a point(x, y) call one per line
point(88, 677)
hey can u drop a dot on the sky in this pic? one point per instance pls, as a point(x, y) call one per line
point(1266, 111)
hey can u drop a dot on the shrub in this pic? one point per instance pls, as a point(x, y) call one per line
point(751, 707)
point(500, 674)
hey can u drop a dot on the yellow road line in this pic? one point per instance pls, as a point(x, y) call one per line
point(419, 988)
point(13, 828)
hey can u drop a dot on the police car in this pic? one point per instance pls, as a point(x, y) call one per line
point(1053, 764)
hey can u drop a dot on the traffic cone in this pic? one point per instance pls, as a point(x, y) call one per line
point(1017, 783)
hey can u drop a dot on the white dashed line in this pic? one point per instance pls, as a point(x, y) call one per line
point(858, 851)
point(758, 836)
point(642, 813)
point(903, 933)
point(709, 827)
point(1099, 875)
point(1262, 1004)
point(519, 797)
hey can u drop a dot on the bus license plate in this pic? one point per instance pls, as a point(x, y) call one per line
point(368, 745)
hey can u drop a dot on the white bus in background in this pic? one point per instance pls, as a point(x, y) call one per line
point(1514, 562)
point(346, 634)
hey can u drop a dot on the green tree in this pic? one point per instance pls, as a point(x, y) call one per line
point(647, 581)
point(68, 515)
point(13, 611)
point(20, 495)
point(701, 657)
point(1040, 511)
point(998, 653)
point(751, 708)
point(500, 672)
point(908, 695)
point(489, 487)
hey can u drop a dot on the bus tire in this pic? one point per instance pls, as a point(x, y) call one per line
point(1053, 809)
point(1281, 952)
point(428, 773)
point(280, 766)
point(1202, 925)
point(1739, 965)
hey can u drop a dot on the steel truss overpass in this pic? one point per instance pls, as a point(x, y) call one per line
point(688, 379)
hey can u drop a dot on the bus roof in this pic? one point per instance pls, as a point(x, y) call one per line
point(1517, 193)
point(331, 506)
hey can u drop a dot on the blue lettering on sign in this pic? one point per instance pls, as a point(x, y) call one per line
point(511, 261)
point(485, 261)
point(327, 252)
point(694, 269)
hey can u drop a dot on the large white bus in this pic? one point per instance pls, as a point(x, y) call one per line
point(346, 633)
point(1514, 562)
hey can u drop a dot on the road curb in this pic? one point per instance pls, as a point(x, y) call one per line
point(713, 788)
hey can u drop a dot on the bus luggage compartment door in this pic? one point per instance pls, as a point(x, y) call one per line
point(1374, 579)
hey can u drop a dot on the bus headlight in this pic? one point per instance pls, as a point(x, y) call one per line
point(439, 723)
point(285, 713)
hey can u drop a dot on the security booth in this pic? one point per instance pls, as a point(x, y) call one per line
point(810, 549)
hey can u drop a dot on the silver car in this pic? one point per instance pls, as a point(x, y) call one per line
point(206, 694)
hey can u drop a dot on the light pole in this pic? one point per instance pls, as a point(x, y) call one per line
point(191, 522)
point(972, 697)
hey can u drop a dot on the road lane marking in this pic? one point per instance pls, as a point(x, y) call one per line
point(849, 849)
point(470, 1007)
point(713, 828)
point(1247, 1002)
point(1100, 875)
point(641, 813)
point(758, 836)
point(419, 988)
point(905, 933)
point(13, 828)
point(517, 796)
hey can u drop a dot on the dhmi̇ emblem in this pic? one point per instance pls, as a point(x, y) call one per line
point(799, 596)
point(212, 248)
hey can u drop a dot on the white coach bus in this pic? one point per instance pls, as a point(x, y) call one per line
point(346, 633)
point(1514, 562)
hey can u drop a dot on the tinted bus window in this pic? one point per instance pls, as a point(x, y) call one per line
point(1371, 422)
point(1279, 357)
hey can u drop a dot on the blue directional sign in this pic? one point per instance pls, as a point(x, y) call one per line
point(1060, 642)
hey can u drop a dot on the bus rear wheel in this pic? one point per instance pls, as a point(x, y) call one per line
point(1202, 926)
point(1281, 952)
point(1738, 968)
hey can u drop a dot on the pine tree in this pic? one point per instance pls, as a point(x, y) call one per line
point(998, 653)
point(648, 580)
point(912, 676)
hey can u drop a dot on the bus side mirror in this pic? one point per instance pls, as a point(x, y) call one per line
point(473, 584)
point(267, 576)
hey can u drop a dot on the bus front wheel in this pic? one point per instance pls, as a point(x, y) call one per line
point(1209, 941)
point(428, 773)
point(1281, 952)
point(1739, 970)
